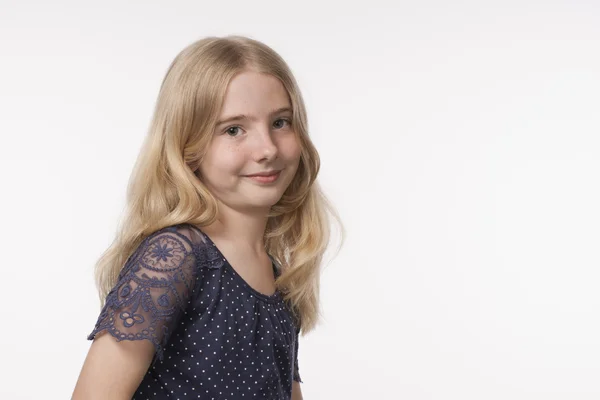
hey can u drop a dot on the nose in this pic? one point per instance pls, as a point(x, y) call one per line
point(265, 146)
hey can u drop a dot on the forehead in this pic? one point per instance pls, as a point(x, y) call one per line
point(254, 94)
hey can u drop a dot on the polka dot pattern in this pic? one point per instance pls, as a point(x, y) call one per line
point(215, 336)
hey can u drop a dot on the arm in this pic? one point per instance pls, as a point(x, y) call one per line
point(296, 391)
point(113, 370)
point(140, 312)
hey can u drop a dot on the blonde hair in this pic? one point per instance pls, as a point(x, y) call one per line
point(164, 188)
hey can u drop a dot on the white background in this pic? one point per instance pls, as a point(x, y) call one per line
point(460, 144)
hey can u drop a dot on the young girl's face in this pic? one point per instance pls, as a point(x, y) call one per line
point(260, 139)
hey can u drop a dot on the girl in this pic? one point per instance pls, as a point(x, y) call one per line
point(221, 242)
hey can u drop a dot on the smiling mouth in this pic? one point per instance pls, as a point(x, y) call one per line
point(264, 178)
point(266, 174)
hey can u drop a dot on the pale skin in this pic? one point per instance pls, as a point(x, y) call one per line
point(263, 141)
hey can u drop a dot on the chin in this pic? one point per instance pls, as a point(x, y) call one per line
point(263, 200)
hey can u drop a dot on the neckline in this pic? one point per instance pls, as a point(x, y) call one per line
point(268, 298)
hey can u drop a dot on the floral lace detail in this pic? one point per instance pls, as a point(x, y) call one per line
point(210, 257)
point(152, 290)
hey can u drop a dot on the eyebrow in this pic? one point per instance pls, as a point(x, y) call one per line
point(243, 117)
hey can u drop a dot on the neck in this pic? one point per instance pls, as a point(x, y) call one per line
point(245, 230)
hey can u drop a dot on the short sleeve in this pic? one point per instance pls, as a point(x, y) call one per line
point(296, 369)
point(152, 290)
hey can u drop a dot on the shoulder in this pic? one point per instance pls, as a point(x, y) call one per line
point(174, 247)
point(204, 250)
point(184, 235)
point(166, 246)
point(165, 255)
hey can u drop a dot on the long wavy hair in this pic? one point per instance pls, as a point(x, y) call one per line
point(164, 188)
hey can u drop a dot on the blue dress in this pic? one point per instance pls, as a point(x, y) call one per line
point(215, 336)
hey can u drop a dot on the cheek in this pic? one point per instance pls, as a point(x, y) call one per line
point(223, 160)
point(291, 148)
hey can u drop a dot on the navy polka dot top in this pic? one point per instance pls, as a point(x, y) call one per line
point(215, 336)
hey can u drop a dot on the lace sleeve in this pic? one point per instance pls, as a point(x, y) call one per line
point(296, 369)
point(153, 289)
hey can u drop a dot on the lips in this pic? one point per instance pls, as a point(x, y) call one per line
point(265, 179)
point(266, 174)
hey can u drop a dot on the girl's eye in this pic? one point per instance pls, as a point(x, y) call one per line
point(229, 130)
point(285, 120)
